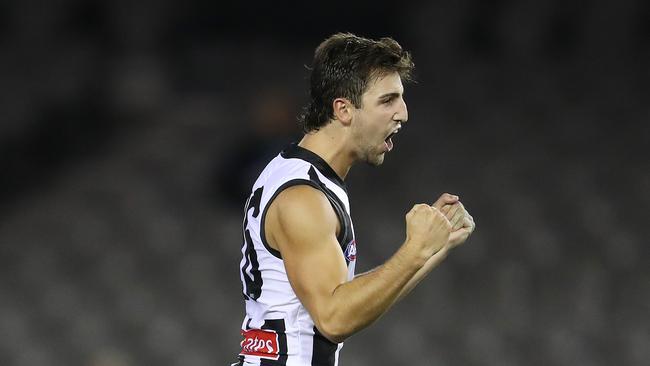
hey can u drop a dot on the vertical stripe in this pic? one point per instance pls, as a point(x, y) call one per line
point(252, 282)
point(346, 235)
point(255, 285)
point(277, 325)
point(324, 351)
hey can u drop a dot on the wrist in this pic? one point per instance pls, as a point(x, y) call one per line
point(415, 253)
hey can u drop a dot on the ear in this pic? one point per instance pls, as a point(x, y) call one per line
point(342, 110)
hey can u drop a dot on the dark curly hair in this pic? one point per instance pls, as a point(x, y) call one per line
point(342, 67)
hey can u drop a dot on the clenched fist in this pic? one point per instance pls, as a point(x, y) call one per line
point(462, 223)
point(427, 229)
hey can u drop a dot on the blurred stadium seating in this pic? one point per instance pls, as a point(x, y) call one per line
point(119, 247)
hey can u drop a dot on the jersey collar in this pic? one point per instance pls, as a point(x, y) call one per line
point(298, 152)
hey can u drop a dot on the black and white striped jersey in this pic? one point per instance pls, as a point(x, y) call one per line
point(277, 329)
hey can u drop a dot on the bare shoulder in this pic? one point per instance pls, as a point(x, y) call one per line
point(297, 215)
point(302, 225)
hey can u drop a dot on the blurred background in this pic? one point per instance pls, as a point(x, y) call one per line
point(131, 131)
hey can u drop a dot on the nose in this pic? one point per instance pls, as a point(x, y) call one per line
point(402, 113)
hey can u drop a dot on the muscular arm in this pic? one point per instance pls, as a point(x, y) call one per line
point(429, 265)
point(303, 225)
point(462, 226)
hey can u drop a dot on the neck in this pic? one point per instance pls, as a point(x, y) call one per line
point(332, 148)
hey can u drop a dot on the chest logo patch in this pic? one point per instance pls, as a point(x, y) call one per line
point(351, 251)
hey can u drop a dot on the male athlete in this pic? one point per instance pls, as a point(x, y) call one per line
point(302, 297)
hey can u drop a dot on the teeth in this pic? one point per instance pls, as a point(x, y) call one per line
point(392, 134)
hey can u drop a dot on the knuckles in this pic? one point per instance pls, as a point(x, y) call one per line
point(420, 209)
point(422, 213)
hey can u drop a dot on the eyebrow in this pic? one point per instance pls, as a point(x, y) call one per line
point(389, 95)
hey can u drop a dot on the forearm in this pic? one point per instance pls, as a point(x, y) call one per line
point(432, 263)
point(356, 304)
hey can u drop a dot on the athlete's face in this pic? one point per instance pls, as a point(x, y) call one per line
point(381, 114)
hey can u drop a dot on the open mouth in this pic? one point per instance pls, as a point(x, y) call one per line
point(389, 140)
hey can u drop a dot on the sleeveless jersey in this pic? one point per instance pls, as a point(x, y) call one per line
point(277, 328)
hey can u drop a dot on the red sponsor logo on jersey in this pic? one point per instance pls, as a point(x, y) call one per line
point(261, 343)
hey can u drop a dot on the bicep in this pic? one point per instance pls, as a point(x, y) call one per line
point(303, 226)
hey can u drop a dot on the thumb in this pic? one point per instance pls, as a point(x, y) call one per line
point(445, 199)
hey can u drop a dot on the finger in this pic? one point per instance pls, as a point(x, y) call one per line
point(447, 223)
point(458, 219)
point(450, 210)
point(470, 219)
point(468, 223)
point(445, 209)
point(445, 199)
point(458, 237)
point(460, 214)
